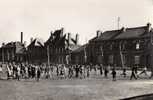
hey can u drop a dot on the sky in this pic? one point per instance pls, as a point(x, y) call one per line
point(36, 18)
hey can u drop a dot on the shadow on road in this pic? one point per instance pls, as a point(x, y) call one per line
point(141, 97)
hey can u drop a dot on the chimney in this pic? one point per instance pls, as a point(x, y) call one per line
point(77, 39)
point(101, 33)
point(21, 37)
point(51, 33)
point(123, 29)
point(31, 40)
point(62, 32)
point(69, 38)
point(3, 44)
point(148, 27)
point(25, 43)
point(98, 33)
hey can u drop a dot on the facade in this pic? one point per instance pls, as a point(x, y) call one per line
point(59, 47)
point(13, 52)
point(124, 47)
point(36, 52)
point(79, 56)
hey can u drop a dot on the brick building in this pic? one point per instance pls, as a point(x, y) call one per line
point(124, 47)
point(80, 55)
point(13, 52)
point(36, 52)
point(59, 47)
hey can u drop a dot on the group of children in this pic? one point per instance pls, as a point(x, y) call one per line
point(62, 71)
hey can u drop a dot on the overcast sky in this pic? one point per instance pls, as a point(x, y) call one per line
point(36, 18)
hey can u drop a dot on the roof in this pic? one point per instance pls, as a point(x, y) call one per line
point(37, 42)
point(12, 44)
point(59, 39)
point(73, 47)
point(124, 33)
point(108, 35)
point(132, 33)
point(93, 39)
point(20, 48)
point(80, 49)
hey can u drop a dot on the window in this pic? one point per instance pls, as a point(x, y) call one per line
point(110, 59)
point(111, 46)
point(125, 57)
point(137, 59)
point(137, 46)
point(56, 50)
point(123, 46)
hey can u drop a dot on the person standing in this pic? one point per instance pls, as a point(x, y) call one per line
point(133, 73)
point(57, 70)
point(18, 72)
point(8, 72)
point(144, 71)
point(29, 71)
point(106, 71)
point(26, 72)
point(1, 71)
point(77, 71)
point(88, 70)
point(114, 74)
point(101, 69)
point(38, 74)
point(124, 72)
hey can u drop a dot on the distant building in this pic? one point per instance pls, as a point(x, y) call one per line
point(36, 52)
point(13, 52)
point(124, 47)
point(80, 55)
point(59, 47)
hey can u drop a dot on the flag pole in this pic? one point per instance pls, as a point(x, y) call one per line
point(118, 23)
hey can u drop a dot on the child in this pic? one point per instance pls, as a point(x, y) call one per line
point(114, 74)
point(124, 72)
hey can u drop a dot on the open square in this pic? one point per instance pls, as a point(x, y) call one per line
point(94, 88)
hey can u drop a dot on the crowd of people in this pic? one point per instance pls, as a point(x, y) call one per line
point(62, 71)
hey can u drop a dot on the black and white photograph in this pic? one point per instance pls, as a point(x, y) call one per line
point(76, 49)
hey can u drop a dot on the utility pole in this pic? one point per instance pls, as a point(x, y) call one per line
point(121, 55)
point(118, 23)
point(85, 52)
point(102, 54)
point(151, 51)
point(2, 55)
point(3, 52)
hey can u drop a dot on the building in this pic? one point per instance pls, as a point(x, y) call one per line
point(124, 47)
point(36, 51)
point(13, 52)
point(59, 47)
point(79, 56)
